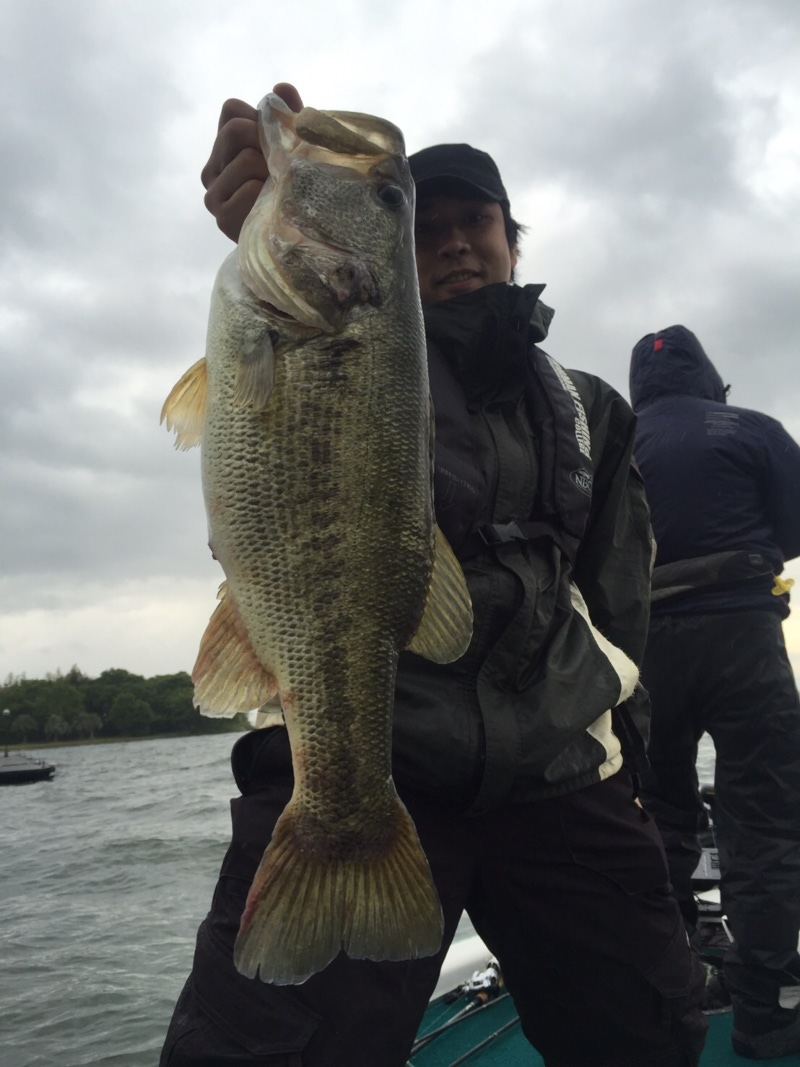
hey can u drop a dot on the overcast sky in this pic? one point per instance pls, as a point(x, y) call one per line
point(651, 146)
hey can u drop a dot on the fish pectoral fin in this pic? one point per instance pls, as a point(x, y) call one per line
point(446, 627)
point(255, 375)
point(184, 409)
point(311, 899)
point(228, 676)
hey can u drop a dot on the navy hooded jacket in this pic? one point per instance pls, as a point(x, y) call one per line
point(723, 483)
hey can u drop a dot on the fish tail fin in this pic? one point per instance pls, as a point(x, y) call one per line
point(306, 904)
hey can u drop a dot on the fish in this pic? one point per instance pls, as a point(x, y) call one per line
point(313, 412)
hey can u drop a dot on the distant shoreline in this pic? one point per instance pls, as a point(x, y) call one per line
point(73, 742)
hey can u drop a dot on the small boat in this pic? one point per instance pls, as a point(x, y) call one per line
point(17, 768)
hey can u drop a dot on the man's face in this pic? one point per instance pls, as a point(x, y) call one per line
point(461, 246)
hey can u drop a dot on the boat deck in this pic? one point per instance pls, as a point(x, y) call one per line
point(17, 768)
point(472, 1020)
point(492, 1036)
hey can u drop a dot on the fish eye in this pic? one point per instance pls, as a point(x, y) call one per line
point(391, 195)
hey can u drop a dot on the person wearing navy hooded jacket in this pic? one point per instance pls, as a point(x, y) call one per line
point(723, 484)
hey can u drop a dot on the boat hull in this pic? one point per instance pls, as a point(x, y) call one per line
point(19, 769)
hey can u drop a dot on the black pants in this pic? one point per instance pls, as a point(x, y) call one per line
point(729, 675)
point(571, 894)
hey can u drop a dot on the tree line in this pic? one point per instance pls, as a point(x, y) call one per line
point(73, 706)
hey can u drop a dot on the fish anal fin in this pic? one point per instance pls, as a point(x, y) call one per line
point(306, 905)
point(228, 676)
point(185, 408)
point(445, 630)
point(270, 714)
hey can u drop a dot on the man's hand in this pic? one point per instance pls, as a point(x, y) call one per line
point(236, 168)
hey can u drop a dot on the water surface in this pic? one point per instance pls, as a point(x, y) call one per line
point(106, 873)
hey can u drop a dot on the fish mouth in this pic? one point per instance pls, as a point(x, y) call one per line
point(271, 263)
point(312, 284)
point(286, 260)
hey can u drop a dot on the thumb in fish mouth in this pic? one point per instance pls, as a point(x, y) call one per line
point(289, 94)
point(353, 283)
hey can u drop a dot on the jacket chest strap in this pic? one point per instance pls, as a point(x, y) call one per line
point(497, 535)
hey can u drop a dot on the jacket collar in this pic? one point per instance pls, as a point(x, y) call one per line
point(485, 336)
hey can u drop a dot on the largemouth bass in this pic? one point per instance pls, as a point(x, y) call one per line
point(313, 408)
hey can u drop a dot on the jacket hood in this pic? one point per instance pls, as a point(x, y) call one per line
point(672, 363)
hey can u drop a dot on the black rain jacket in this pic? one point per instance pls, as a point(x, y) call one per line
point(535, 490)
point(722, 483)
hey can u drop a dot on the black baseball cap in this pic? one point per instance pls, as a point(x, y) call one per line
point(460, 162)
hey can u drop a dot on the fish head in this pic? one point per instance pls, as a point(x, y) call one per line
point(331, 233)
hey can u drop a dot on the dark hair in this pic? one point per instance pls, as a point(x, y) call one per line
point(514, 229)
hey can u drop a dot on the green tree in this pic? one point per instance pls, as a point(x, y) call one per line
point(19, 695)
point(99, 693)
point(24, 728)
point(76, 677)
point(74, 705)
point(41, 699)
point(25, 697)
point(170, 697)
point(87, 725)
point(55, 728)
point(129, 716)
point(60, 699)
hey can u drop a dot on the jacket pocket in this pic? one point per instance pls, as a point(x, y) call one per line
point(205, 1045)
point(608, 832)
point(263, 1019)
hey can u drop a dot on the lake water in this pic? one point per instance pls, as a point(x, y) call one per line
point(106, 873)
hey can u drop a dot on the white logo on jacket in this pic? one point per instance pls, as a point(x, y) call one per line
point(582, 435)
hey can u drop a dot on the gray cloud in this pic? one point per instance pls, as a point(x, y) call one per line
point(638, 142)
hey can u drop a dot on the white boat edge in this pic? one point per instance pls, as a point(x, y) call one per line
point(470, 954)
point(463, 958)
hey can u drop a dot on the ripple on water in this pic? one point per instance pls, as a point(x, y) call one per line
point(107, 872)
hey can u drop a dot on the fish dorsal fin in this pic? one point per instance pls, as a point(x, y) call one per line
point(184, 409)
point(446, 627)
point(255, 376)
point(228, 676)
